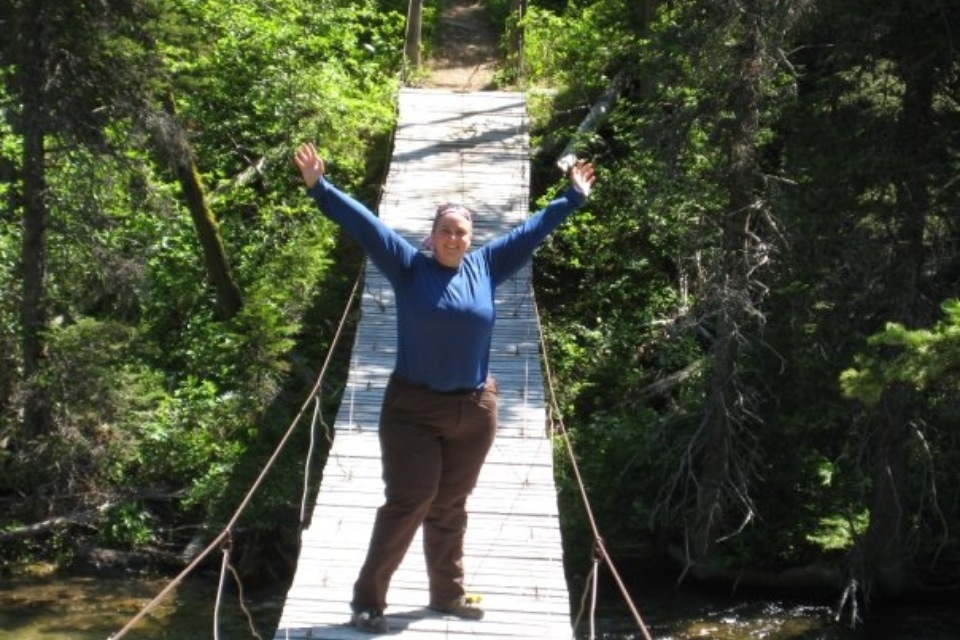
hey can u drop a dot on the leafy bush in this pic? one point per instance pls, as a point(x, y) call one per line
point(921, 358)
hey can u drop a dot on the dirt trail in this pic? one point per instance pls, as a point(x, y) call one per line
point(467, 52)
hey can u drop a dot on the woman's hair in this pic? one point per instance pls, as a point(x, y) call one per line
point(452, 207)
point(442, 210)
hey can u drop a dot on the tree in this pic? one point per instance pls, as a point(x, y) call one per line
point(172, 141)
point(732, 293)
point(412, 43)
point(739, 97)
point(65, 71)
point(869, 143)
point(31, 80)
point(146, 386)
point(914, 39)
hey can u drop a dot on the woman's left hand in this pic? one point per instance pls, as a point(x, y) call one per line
point(582, 177)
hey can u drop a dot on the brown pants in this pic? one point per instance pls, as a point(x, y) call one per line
point(433, 446)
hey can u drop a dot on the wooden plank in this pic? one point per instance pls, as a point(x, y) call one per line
point(470, 148)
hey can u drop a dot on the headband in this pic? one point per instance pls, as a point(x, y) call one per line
point(453, 207)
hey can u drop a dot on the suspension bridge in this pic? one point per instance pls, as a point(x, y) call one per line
point(471, 148)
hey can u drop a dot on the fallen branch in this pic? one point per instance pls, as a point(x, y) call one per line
point(83, 518)
point(813, 576)
point(598, 113)
point(662, 385)
point(87, 517)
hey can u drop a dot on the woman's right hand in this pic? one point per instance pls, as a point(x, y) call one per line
point(310, 164)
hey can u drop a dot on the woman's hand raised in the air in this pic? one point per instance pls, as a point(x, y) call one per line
point(310, 164)
point(582, 177)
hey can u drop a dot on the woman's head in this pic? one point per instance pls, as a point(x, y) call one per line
point(452, 233)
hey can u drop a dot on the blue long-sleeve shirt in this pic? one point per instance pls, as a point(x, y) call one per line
point(445, 316)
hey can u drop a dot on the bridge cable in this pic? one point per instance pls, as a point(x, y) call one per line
point(600, 548)
point(592, 593)
point(226, 565)
point(600, 551)
point(224, 534)
point(223, 539)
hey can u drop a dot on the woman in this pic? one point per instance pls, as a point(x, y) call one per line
point(439, 412)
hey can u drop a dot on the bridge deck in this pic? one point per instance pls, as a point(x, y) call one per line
point(472, 148)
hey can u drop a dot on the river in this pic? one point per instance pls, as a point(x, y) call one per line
point(86, 608)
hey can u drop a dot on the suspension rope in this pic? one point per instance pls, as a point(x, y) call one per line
point(228, 566)
point(317, 416)
point(223, 539)
point(224, 563)
point(225, 533)
point(314, 395)
point(556, 414)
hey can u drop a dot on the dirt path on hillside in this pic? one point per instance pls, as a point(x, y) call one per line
point(467, 51)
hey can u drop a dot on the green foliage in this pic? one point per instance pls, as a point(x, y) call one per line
point(576, 47)
point(128, 525)
point(197, 433)
point(920, 358)
point(542, 31)
point(837, 533)
point(621, 459)
point(274, 77)
point(623, 286)
point(152, 393)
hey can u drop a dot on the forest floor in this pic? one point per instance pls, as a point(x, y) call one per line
point(467, 52)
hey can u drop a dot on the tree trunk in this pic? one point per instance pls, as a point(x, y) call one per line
point(33, 313)
point(411, 47)
point(229, 299)
point(8, 355)
point(724, 405)
point(883, 559)
point(716, 440)
point(643, 15)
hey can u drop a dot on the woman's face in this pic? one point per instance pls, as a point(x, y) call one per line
point(451, 238)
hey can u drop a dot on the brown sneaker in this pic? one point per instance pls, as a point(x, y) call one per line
point(463, 607)
point(369, 621)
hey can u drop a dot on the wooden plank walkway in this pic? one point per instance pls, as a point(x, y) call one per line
point(471, 148)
